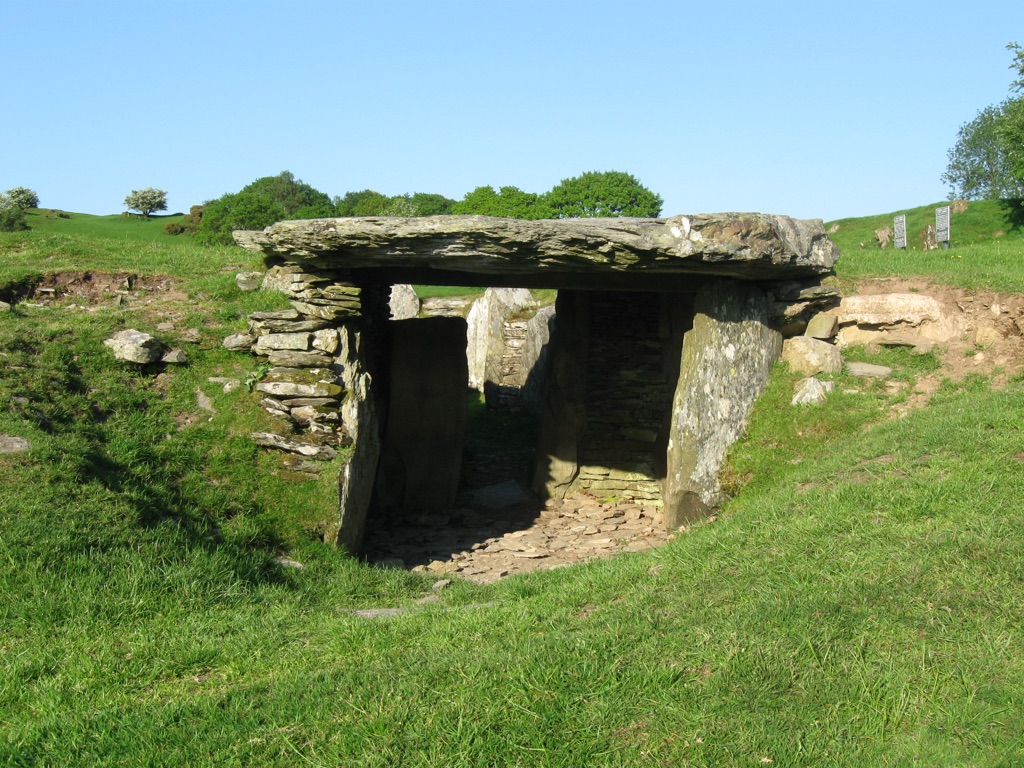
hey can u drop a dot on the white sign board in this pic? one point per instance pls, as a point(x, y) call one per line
point(942, 224)
point(899, 226)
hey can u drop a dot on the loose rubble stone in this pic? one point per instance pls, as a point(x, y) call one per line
point(229, 384)
point(986, 336)
point(5, 307)
point(249, 281)
point(135, 346)
point(811, 356)
point(204, 402)
point(812, 391)
point(239, 342)
point(175, 357)
point(478, 547)
point(11, 444)
point(303, 448)
point(822, 326)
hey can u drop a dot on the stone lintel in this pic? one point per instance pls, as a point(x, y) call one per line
point(753, 246)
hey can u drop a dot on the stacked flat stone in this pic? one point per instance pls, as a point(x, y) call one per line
point(303, 386)
point(794, 303)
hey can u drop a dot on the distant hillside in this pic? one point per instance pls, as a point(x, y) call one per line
point(981, 222)
point(117, 226)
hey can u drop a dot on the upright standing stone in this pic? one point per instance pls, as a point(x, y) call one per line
point(727, 359)
point(421, 458)
point(564, 415)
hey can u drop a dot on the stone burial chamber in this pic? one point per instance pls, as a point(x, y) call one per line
point(663, 335)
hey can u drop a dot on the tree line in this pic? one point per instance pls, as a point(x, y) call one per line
point(987, 161)
point(276, 198)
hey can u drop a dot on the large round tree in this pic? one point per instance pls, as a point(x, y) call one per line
point(607, 193)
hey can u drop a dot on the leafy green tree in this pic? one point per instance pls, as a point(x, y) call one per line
point(507, 202)
point(429, 204)
point(1013, 117)
point(987, 161)
point(12, 217)
point(366, 202)
point(146, 201)
point(23, 198)
point(608, 193)
point(241, 210)
point(981, 164)
point(297, 199)
point(371, 203)
point(267, 200)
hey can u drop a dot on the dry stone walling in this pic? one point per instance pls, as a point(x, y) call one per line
point(664, 332)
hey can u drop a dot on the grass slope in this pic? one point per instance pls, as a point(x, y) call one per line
point(987, 245)
point(859, 602)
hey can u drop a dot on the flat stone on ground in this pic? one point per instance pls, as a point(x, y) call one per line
point(868, 370)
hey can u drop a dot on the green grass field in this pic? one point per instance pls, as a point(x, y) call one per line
point(859, 602)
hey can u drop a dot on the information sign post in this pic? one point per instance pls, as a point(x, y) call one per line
point(942, 226)
point(899, 226)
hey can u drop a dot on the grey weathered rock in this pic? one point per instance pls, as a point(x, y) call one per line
point(239, 342)
point(812, 391)
point(175, 357)
point(405, 304)
point(204, 402)
point(249, 281)
point(484, 339)
point(711, 404)
point(326, 340)
point(270, 341)
point(749, 245)
point(890, 310)
point(535, 357)
point(5, 307)
point(301, 447)
point(12, 444)
point(870, 319)
point(445, 306)
point(307, 414)
point(135, 346)
point(299, 382)
point(228, 384)
point(811, 356)
point(359, 414)
point(868, 370)
point(822, 326)
point(292, 359)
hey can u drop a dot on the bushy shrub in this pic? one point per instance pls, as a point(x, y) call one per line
point(174, 228)
point(260, 204)
point(193, 219)
point(12, 217)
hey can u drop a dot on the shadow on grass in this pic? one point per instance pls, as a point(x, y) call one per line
point(1014, 211)
point(116, 472)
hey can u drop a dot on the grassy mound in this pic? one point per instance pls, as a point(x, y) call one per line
point(859, 601)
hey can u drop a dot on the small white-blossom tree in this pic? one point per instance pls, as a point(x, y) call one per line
point(147, 200)
point(23, 198)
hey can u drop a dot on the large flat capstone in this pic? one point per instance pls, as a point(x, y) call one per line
point(750, 246)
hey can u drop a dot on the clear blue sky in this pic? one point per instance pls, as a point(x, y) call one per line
point(819, 109)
